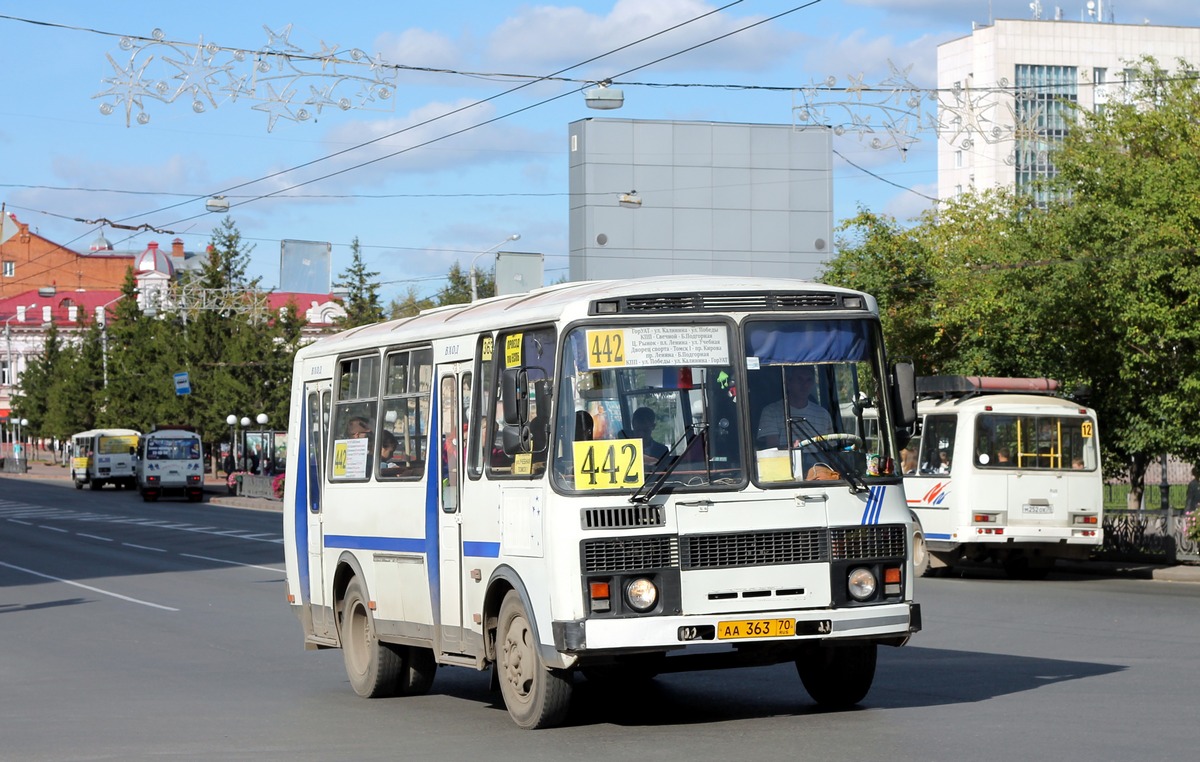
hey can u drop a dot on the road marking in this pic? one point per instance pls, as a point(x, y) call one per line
point(143, 547)
point(231, 563)
point(88, 587)
point(94, 537)
point(53, 529)
point(22, 523)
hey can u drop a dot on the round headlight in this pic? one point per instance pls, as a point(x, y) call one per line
point(862, 584)
point(641, 594)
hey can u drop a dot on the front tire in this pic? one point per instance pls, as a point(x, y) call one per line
point(372, 666)
point(920, 553)
point(536, 697)
point(839, 676)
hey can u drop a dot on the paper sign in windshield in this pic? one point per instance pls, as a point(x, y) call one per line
point(658, 345)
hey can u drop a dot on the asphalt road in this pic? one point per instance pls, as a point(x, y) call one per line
point(148, 631)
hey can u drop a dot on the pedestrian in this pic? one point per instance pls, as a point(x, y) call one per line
point(1192, 501)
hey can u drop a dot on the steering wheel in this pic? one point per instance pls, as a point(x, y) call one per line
point(854, 439)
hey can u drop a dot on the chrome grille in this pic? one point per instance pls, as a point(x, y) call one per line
point(623, 517)
point(719, 551)
point(618, 554)
point(854, 543)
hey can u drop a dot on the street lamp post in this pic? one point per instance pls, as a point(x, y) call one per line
point(474, 281)
point(102, 316)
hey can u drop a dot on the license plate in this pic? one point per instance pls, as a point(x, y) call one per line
point(755, 628)
point(1027, 508)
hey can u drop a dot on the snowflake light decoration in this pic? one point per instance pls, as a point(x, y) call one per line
point(277, 76)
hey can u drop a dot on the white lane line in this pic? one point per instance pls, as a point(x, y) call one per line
point(53, 529)
point(22, 523)
point(231, 563)
point(94, 537)
point(87, 587)
point(143, 547)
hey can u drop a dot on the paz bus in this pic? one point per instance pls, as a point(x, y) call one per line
point(104, 456)
point(468, 487)
point(171, 462)
point(1004, 471)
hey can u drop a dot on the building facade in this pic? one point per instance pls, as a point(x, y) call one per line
point(1007, 90)
point(661, 198)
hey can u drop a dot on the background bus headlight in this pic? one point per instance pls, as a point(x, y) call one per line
point(641, 594)
point(862, 584)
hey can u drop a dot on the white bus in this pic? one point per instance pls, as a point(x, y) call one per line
point(104, 456)
point(477, 486)
point(1004, 471)
point(171, 462)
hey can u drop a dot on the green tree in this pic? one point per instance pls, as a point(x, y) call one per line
point(1132, 175)
point(458, 286)
point(362, 303)
point(410, 304)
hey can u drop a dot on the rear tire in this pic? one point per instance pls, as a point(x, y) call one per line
point(373, 667)
point(838, 676)
point(536, 697)
point(78, 484)
point(416, 674)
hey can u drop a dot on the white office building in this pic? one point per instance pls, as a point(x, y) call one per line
point(1004, 89)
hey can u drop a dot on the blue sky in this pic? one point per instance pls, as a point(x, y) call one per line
point(448, 156)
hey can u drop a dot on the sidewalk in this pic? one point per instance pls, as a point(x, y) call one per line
point(218, 494)
point(215, 489)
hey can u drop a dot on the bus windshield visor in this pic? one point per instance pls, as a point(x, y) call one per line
point(642, 406)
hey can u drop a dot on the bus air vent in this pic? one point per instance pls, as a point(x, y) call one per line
point(855, 543)
point(619, 554)
point(721, 551)
point(623, 517)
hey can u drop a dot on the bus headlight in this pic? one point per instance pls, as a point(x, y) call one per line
point(862, 584)
point(641, 594)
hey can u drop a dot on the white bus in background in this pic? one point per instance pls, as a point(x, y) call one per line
point(465, 488)
point(171, 462)
point(104, 456)
point(1003, 471)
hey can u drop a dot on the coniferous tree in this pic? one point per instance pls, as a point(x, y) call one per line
point(362, 291)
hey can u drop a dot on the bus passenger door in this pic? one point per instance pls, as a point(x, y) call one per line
point(316, 404)
point(453, 388)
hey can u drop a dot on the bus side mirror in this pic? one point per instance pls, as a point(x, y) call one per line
point(514, 387)
point(904, 393)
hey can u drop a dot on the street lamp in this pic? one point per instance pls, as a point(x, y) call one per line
point(102, 316)
point(474, 282)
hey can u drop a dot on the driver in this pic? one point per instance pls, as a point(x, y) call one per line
point(808, 417)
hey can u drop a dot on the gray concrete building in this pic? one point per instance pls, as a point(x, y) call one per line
point(651, 198)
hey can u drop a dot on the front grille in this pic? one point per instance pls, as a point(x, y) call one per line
point(623, 517)
point(735, 301)
point(720, 551)
point(617, 554)
point(855, 543)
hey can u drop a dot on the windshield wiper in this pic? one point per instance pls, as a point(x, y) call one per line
point(649, 489)
point(824, 443)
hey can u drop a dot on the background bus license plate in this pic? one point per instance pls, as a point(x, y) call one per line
point(755, 628)
point(1027, 508)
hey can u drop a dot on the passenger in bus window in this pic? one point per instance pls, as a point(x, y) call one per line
point(387, 450)
point(943, 462)
point(358, 428)
point(807, 416)
point(908, 460)
point(1002, 458)
point(642, 423)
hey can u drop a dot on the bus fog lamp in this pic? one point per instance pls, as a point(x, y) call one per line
point(862, 584)
point(641, 594)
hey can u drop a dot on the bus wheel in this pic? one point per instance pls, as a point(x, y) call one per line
point(78, 484)
point(838, 677)
point(920, 554)
point(373, 667)
point(536, 697)
point(416, 676)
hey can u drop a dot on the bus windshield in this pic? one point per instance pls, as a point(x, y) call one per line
point(812, 388)
point(647, 404)
point(172, 449)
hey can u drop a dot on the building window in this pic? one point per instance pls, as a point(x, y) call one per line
point(10, 268)
point(4, 379)
point(1044, 98)
point(958, 160)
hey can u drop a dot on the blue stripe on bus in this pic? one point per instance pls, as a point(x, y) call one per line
point(874, 506)
point(300, 504)
point(481, 549)
point(929, 536)
point(362, 542)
